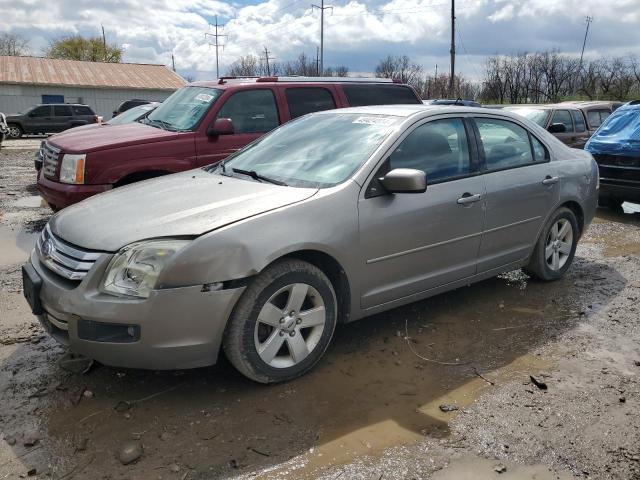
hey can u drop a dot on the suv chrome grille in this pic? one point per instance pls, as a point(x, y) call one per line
point(50, 156)
point(65, 260)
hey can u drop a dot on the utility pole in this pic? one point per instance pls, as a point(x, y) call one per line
point(453, 48)
point(317, 61)
point(322, 8)
point(104, 43)
point(173, 63)
point(584, 43)
point(267, 58)
point(217, 44)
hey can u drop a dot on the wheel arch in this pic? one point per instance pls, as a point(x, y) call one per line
point(578, 211)
point(332, 269)
point(139, 176)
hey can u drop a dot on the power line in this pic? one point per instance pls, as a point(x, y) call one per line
point(322, 8)
point(217, 36)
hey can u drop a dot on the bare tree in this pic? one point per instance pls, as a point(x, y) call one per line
point(13, 45)
point(401, 68)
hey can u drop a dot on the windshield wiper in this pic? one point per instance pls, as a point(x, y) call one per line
point(161, 123)
point(256, 176)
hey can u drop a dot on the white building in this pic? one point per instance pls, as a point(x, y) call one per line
point(28, 81)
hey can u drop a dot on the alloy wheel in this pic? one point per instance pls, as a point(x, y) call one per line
point(290, 325)
point(559, 243)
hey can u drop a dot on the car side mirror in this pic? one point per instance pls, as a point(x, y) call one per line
point(405, 180)
point(557, 128)
point(221, 126)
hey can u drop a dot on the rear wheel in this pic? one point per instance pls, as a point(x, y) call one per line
point(283, 322)
point(15, 131)
point(556, 247)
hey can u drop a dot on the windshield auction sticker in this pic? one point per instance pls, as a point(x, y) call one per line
point(204, 97)
point(375, 120)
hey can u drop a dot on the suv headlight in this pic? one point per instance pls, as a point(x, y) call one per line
point(72, 168)
point(133, 271)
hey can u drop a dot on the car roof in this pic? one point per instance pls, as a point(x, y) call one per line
point(243, 82)
point(407, 110)
point(544, 106)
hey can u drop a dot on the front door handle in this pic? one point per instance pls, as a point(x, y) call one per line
point(467, 198)
point(549, 180)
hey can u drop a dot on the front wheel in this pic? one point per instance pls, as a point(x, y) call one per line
point(556, 246)
point(283, 322)
point(15, 131)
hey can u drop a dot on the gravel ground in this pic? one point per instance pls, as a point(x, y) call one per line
point(372, 408)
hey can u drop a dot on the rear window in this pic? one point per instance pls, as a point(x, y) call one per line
point(81, 110)
point(360, 95)
point(307, 100)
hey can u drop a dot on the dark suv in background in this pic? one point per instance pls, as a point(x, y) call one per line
point(129, 104)
point(50, 118)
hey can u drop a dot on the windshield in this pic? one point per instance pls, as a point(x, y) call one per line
point(318, 150)
point(537, 115)
point(131, 115)
point(184, 109)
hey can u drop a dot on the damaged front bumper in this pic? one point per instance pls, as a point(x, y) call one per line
point(172, 329)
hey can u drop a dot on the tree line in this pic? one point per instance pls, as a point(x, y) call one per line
point(253, 66)
point(552, 76)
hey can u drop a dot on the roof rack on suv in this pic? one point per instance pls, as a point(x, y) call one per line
point(223, 80)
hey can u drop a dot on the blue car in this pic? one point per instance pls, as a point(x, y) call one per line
point(616, 148)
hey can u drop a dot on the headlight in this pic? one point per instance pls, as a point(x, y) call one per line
point(72, 168)
point(133, 271)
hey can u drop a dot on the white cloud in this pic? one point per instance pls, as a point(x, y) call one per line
point(357, 32)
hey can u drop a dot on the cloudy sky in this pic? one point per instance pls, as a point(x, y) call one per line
point(357, 32)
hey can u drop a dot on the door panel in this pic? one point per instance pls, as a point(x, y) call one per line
point(522, 187)
point(39, 119)
point(414, 242)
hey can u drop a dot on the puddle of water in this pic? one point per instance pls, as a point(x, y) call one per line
point(474, 468)
point(34, 201)
point(15, 245)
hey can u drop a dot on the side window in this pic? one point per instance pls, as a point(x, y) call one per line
point(251, 111)
point(578, 120)
point(43, 111)
point(540, 153)
point(505, 144)
point(61, 111)
point(307, 100)
point(81, 110)
point(604, 114)
point(379, 94)
point(564, 117)
point(439, 148)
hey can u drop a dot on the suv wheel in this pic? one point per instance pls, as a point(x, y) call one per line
point(283, 322)
point(556, 246)
point(15, 131)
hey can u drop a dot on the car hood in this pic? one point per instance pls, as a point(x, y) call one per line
point(184, 204)
point(89, 140)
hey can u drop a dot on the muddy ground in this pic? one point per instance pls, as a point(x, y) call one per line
point(371, 409)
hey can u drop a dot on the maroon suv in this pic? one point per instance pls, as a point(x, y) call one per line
point(199, 124)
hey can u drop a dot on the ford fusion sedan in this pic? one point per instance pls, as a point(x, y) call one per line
point(328, 219)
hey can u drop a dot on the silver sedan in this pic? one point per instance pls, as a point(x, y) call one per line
point(330, 218)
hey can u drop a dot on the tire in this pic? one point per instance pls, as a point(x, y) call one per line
point(556, 247)
point(15, 131)
point(265, 350)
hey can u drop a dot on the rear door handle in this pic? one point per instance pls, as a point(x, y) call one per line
point(467, 198)
point(549, 180)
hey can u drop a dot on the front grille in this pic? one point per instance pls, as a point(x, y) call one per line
point(64, 259)
point(50, 156)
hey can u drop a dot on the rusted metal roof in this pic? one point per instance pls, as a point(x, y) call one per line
point(49, 71)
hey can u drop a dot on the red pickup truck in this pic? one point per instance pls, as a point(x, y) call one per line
point(198, 125)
